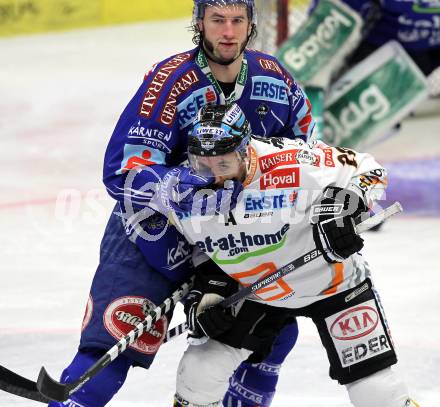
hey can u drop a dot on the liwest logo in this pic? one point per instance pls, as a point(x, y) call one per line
point(269, 89)
point(281, 178)
point(238, 247)
point(187, 109)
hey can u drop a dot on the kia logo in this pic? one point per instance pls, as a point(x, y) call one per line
point(355, 323)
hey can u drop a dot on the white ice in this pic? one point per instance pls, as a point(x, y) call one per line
point(60, 97)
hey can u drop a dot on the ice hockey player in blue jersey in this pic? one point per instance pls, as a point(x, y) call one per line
point(146, 149)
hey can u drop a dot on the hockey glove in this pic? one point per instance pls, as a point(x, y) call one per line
point(204, 317)
point(178, 187)
point(334, 224)
point(182, 191)
point(222, 200)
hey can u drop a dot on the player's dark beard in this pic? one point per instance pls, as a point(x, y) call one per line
point(208, 47)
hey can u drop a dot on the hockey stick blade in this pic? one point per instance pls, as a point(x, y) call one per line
point(57, 391)
point(20, 386)
point(361, 227)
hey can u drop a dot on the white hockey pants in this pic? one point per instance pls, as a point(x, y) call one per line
point(384, 388)
point(204, 371)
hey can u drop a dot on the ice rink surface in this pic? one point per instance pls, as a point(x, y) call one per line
point(60, 97)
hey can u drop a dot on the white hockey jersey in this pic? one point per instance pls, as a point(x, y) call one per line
point(270, 226)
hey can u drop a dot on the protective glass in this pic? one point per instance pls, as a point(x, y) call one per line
point(227, 166)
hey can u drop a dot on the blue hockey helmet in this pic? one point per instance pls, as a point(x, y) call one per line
point(200, 6)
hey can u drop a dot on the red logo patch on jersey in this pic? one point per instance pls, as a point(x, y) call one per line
point(136, 161)
point(182, 85)
point(124, 313)
point(281, 178)
point(157, 84)
point(271, 161)
point(269, 65)
point(210, 96)
point(355, 323)
point(88, 313)
point(304, 123)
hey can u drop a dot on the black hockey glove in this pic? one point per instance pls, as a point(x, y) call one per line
point(204, 317)
point(334, 224)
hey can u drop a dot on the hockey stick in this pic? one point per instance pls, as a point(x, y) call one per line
point(54, 390)
point(20, 386)
point(361, 227)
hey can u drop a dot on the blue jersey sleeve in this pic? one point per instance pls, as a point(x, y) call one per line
point(145, 142)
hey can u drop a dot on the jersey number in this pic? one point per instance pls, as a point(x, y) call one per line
point(279, 289)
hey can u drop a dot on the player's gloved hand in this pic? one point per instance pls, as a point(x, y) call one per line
point(182, 190)
point(221, 200)
point(178, 188)
point(205, 318)
point(334, 224)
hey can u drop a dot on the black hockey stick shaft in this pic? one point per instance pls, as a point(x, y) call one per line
point(54, 390)
point(293, 265)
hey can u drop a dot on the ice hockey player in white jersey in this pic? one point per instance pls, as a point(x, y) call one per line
point(297, 197)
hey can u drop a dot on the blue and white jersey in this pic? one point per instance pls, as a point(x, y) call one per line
point(152, 130)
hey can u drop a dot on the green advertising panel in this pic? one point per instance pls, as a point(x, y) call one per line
point(329, 29)
point(370, 105)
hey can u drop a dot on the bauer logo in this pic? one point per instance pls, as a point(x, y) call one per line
point(335, 209)
point(124, 313)
point(281, 178)
point(269, 89)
